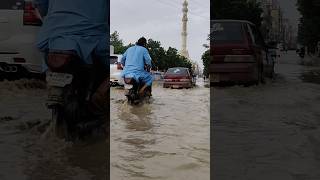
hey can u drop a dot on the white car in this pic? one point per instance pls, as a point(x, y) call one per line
point(115, 70)
point(19, 25)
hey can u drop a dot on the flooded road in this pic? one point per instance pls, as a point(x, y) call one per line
point(26, 155)
point(270, 131)
point(167, 139)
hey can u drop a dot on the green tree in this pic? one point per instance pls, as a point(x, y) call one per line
point(309, 26)
point(238, 9)
point(157, 54)
point(206, 62)
point(161, 59)
point(117, 43)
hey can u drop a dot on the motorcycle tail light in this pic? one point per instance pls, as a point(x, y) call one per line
point(19, 60)
point(128, 80)
point(119, 66)
point(58, 61)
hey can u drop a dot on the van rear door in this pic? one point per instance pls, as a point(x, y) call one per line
point(230, 43)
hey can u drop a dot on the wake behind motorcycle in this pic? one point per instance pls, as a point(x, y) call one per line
point(71, 84)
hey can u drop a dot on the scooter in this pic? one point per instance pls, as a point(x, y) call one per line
point(71, 84)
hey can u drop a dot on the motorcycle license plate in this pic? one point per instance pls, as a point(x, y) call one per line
point(58, 79)
point(128, 86)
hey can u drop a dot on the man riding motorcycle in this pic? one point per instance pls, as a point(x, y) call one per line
point(76, 31)
point(137, 62)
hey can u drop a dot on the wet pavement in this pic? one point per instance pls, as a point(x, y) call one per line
point(26, 154)
point(166, 139)
point(270, 131)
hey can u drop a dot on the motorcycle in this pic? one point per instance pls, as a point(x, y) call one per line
point(136, 91)
point(71, 84)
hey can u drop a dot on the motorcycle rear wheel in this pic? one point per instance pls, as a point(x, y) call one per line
point(59, 123)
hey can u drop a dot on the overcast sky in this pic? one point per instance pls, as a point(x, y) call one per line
point(161, 21)
point(290, 11)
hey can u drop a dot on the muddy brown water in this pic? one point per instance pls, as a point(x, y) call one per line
point(26, 155)
point(167, 138)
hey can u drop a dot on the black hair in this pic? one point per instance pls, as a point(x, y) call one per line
point(142, 42)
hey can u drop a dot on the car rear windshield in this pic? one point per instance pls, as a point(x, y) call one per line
point(113, 59)
point(177, 71)
point(11, 4)
point(226, 32)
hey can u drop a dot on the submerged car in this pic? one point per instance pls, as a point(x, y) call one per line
point(19, 25)
point(239, 53)
point(178, 77)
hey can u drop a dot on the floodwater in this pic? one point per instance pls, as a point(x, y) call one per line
point(270, 131)
point(26, 154)
point(166, 139)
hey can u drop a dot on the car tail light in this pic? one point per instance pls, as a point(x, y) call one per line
point(119, 66)
point(30, 16)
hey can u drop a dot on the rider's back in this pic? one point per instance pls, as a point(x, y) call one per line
point(136, 57)
point(78, 25)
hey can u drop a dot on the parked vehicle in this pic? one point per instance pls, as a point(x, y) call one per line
point(178, 77)
point(239, 53)
point(19, 24)
point(157, 75)
point(115, 70)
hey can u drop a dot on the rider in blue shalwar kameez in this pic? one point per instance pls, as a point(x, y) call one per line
point(134, 60)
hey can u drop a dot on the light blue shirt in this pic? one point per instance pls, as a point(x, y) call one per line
point(78, 25)
point(135, 58)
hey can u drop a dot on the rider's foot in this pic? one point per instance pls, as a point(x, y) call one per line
point(141, 91)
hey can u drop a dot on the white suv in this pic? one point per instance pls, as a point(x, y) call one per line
point(115, 70)
point(19, 25)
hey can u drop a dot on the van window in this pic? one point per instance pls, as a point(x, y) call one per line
point(113, 59)
point(226, 32)
point(11, 4)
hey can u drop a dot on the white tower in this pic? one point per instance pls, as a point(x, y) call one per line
point(184, 51)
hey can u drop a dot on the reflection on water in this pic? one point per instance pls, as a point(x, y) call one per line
point(165, 139)
point(24, 155)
